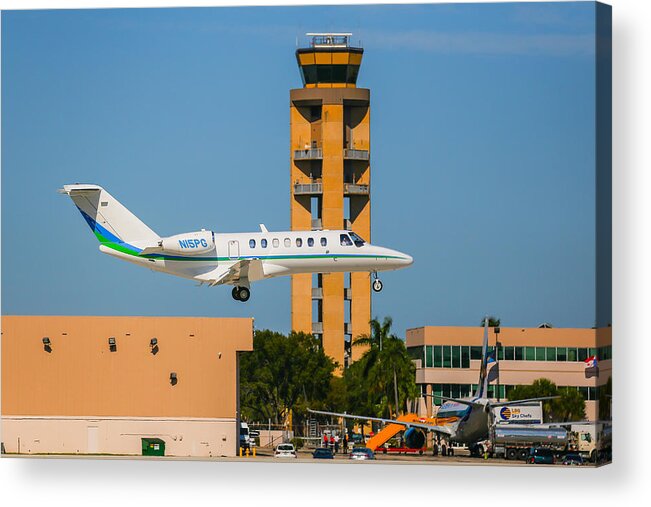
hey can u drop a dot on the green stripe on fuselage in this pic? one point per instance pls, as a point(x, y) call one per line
point(119, 247)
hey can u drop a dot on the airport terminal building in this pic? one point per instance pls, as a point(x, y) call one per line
point(448, 360)
point(108, 385)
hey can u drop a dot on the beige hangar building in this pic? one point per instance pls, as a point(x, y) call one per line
point(100, 385)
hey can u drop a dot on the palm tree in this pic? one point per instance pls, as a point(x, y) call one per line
point(492, 321)
point(385, 361)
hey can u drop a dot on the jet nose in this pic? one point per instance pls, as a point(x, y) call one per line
point(400, 259)
point(407, 260)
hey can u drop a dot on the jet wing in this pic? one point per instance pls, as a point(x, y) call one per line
point(457, 400)
point(566, 423)
point(447, 430)
point(243, 271)
point(521, 402)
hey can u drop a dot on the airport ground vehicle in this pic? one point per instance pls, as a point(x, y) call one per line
point(323, 453)
point(516, 442)
point(361, 453)
point(400, 450)
point(357, 438)
point(573, 458)
point(285, 451)
point(541, 456)
point(246, 442)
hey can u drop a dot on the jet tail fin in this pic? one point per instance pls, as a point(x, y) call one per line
point(482, 386)
point(109, 220)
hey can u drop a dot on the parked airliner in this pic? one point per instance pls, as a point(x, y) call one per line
point(233, 259)
point(465, 420)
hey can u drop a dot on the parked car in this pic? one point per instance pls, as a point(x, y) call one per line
point(361, 453)
point(541, 456)
point(323, 453)
point(285, 451)
point(573, 459)
point(357, 438)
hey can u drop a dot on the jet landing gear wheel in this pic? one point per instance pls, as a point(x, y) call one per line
point(241, 294)
point(377, 283)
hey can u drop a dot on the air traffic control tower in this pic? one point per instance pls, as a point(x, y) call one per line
point(330, 186)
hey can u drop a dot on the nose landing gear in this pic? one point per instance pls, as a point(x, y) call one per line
point(377, 283)
point(241, 294)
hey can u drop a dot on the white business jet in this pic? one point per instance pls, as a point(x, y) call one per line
point(233, 259)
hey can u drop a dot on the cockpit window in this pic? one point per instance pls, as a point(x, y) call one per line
point(357, 239)
point(452, 411)
point(345, 240)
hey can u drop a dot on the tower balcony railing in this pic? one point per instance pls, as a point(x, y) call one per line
point(348, 294)
point(308, 154)
point(317, 292)
point(317, 224)
point(355, 189)
point(317, 327)
point(350, 154)
point(308, 188)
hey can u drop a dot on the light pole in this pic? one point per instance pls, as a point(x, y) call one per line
point(497, 360)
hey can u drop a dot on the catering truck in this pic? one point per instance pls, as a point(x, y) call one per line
point(527, 413)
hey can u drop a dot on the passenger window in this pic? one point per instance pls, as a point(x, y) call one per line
point(324, 242)
point(288, 242)
point(275, 242)
point(251, 243)
point(299, 242)
point(263, 243)
point(345, 240)
point(310, 241)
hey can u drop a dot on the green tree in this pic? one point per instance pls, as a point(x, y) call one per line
point(492, 321)
point(569, 406)
point(386, 373)
point(605, 400)
point(283, 373)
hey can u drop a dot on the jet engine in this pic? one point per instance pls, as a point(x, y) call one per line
point(414, 438)
point(191, 243)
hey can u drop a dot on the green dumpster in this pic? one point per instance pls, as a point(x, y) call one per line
point(153, 447)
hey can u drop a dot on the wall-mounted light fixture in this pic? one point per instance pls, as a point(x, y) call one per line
point(173, 379)
point(112, 344)
point(153, 343)
point(47, 344)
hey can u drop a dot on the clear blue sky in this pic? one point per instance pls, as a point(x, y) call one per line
point(483, 153)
